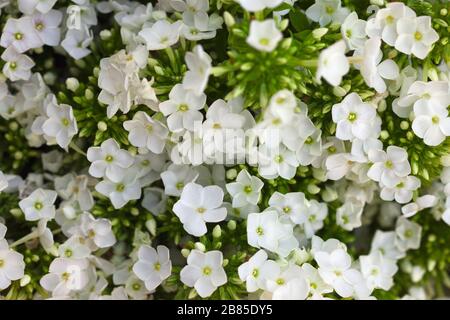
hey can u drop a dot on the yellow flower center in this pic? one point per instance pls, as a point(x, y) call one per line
point(264, 41)
point(157, 266)
point(207, 271)
point(418, 36)
point(259, 231)
point(38, 205)
point(120, 187)
point(18, 36)
point(352, 116)
point(183, 107)
point(109, 158)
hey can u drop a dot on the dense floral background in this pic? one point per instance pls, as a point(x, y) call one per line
point(224, 149)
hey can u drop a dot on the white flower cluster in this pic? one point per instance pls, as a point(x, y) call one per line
point(197, 160)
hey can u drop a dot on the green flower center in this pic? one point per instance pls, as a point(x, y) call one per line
point(207, 271)
point(248, 189)
point(183, 107)
point(286, 209)
point(18, 36)
point(352, 116)
point(331, 149)
point(435, 119)
point(255, 273)
point(39, 26)
point(2, 263)
point(149, 128)
point(390, 19)
point(120, 187)
point(312, 218)
point(408, 234)
point(279, 159)
point(136, 286)
point(280, 281)
point(157, 266)
point(145, 163)
point(309, 140)
point(38, 205)
point(109, 158)
point(68, 253)
point(348, 33)
point(259, 231)
point(418, 36)
point(13, 65)
point(400, 185)
point(65, 122)
point(264, 41)
point(388, 164)
point(329, 10)
point(201, 210)
point(179, 185)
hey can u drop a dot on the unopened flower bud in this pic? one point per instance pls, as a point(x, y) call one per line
point(231, 225)
point(26, 279)
point(102, 126)
point(217, 232)
point(105, 34)
point(72, 84)
point(319, 33)
point(229, 19)
point(185, 252)
point(200, 246)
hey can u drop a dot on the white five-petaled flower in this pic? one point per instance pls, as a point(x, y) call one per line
point(408, 234)
point(264, 35)
point(18, 66)
point(161, 35)
point(204, 272)
point(431, 123)
point(182, 109)
point(29, 6)
point(416, 36)
point(61, 124)
point(97, 232)
point(256, 271)
point(153, 266)
point(388, 166)
point(39, 205)
point(109, 160)
point(274, 162)
point(378, 270)
point(146, 132)
point(198, 205)
point(47, 26)
point(246, 189)
point(122, 190)
point(291, 206)
point(402, 192)
point(333, 64)
point(354, 31)
point(327, 11)
point(354, 118)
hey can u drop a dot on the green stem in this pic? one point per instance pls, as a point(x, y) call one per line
point(77, 149)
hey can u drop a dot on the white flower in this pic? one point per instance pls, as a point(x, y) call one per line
point(256, 271)
point(12, 266)
point(354, 118)
point(200, 26)
point(182, 109)
point(311, 219)
point(402, 192)
point(176, 177)
point(277, 162)
point(20, 34)
point(384, 242)
point(145, 132)
point(335, 269)
point(339, 165)
point(292, 206)
point(39, 205)
point(75, 248)
point(76, 43)
point(421, 94)
point(153, 266)
point(28, 6)
point(265, 230)
point(326, 11)
point(415, 36)
point(199, 64)
point(81, 15)
point(354, 31)
point(310, 149)
point(204, 272)
point(65, 276)
point(47, 26)
point(408, 234)
point(264, 35)
point(122, 190)
point(97, 231)
point(60, 124)
point(258, 5)
point(384, 24)
point(161, 35)
point(288, 283)
point(333, 64)
point(198, 205)
point(283, 104)
point(246, 189)
point(378, 270)
point(389, 166)
point(431, 123)
point(18, 66)
point(109, 160)
point(349, 215)
point(373, 70)
point(421, 203)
